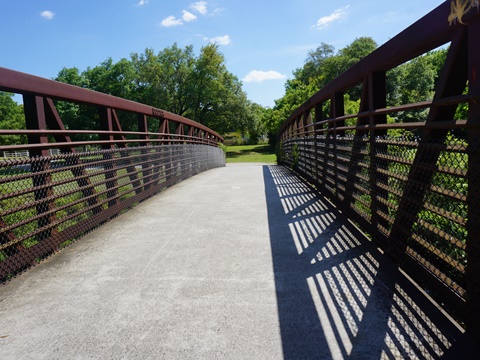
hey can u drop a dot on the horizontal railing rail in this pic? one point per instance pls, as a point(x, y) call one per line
point(29, 85)
point(62, 183)
point(416, 192)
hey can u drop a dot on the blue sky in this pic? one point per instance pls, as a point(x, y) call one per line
point(263, 41)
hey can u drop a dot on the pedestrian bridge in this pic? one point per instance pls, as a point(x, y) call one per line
point(239, 262)
point(363, 243)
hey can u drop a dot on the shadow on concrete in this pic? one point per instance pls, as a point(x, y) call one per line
point(338, 296)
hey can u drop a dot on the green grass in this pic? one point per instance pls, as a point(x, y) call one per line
point(251, 154)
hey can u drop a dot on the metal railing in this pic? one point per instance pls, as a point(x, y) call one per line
point(418, 196)
point(47, 201)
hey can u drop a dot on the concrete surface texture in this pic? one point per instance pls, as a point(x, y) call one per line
point(242, 262)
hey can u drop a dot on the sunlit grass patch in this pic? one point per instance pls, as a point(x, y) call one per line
point(251, 154)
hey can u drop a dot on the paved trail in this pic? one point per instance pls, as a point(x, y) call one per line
point(242, 262)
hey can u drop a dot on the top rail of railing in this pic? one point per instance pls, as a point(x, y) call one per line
point(42, 117)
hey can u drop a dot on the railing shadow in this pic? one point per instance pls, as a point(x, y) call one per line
point(338, 296)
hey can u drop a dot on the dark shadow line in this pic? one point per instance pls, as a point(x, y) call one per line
point(370, 277)
point(344, 319)
point(331, 319)
point(422, 321)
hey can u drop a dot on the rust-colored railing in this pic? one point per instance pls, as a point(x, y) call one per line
point(417, 196)
point(47, 201)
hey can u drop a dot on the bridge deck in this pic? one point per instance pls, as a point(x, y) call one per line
point(238, 262)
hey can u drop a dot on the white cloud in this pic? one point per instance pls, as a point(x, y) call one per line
point(221, 40)
point(325, 21)
point(200, 6)
point(259, 76)
point(142, 2)
point(188, 16)
point(47, 14)
point(171, 21)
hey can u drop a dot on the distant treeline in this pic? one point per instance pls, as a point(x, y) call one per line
point(411, 82)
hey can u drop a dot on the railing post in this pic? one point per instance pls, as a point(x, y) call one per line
point(146, 166)
point(326, 150)
point(178, 143)
point(337, 109)
point(377, 100)
point(307, 123)
point(78, 170)
point(473, 200)
point(124, 154)
point(35, 119)
point(301, 143)
point(106, 124)
point(357, 155)
point(318, 118)
point(165, 128)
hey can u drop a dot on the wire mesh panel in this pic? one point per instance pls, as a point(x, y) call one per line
point(370, 180)
point(406, 174)
point(48, 202)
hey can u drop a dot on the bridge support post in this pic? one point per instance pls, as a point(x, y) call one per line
point(167, 153)
point(337, 109)
point(377, 100)
point(309, 143)
point(318, 118)
point(35, 119)
point(125, 154)
point(473, 200)
point(106, 124)
point(146, 166)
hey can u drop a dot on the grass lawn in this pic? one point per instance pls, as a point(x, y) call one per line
point(251, 153)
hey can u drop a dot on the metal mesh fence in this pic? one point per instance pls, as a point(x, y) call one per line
point(406, 169)
point(48, 202)
point(409, 194)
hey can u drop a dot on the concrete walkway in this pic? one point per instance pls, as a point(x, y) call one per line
point(242, 262)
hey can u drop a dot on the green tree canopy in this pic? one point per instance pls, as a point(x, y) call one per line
point(411, 82)
point(11, 117)
point(175, 79)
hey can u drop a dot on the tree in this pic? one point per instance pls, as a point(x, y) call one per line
point(411, 82)
point(358, 49)
point(174, 81)
point(148, 71)
point(11, 117)
point(163, 80)
point(75, 116)
point(198, 87)
point(117, 79)
point(415, 81)
point(345, 59)
point(313, 66)
point(257, 122)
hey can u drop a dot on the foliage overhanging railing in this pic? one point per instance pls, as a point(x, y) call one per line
point(418, 196)
point(48, 201)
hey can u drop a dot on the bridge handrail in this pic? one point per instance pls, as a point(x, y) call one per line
point(50, 198)
point(30, 85)
point(418, 196)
